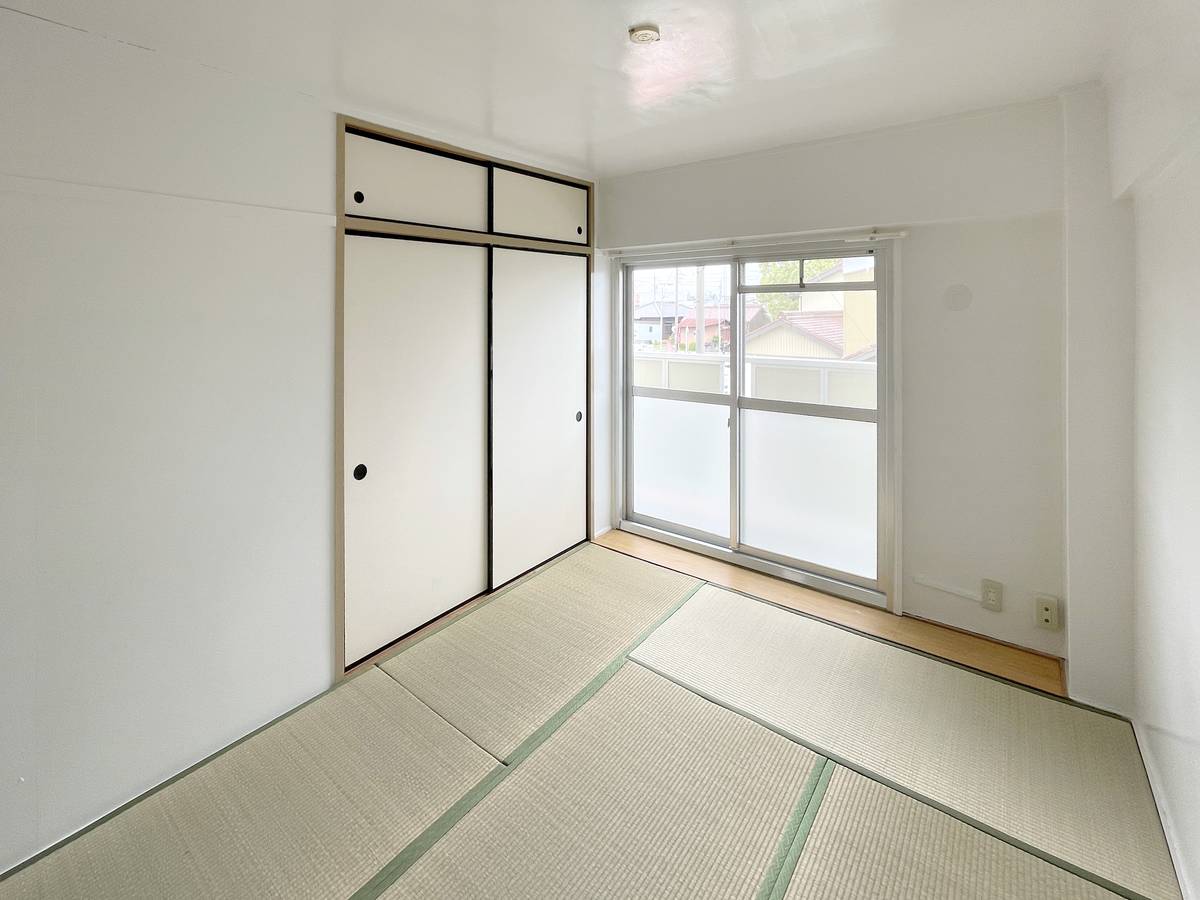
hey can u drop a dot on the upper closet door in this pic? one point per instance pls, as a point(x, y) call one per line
point(539, 408)
point(388, 181)
point(414, 435)
point(531, 206)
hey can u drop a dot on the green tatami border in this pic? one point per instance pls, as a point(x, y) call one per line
point(696, 585)
point(406, 858)
point(835, 758)
point(149, 792)
point(810, 816)
point(795, 833)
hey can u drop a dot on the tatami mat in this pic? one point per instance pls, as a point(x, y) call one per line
point(646, 791)
point(1065, 780)
point(311, 807)
point(872, 843)
point(498, 673)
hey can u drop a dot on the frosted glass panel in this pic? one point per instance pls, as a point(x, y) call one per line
point(681, 463)
point(809, 489)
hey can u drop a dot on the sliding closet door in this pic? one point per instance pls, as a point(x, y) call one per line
point(415, 434)
point(539, 407)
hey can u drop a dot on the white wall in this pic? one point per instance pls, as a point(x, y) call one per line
point(1154, 113)
point(1168, 510)
point(1098, 243)
point(1167, 630)
point(166, 415)
point(982, 197)
point(983, 421)
point(993, 164)
point(167, 434)
point(1153, 83)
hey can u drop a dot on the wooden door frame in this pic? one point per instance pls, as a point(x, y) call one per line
point(348, 224)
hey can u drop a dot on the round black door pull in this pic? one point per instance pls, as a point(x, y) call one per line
point(360, 472)
point(578, 417)
point(579, 230)
point(358, 197)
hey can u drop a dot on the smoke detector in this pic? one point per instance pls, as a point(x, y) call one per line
point(644, 34)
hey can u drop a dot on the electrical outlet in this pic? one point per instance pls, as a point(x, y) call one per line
point(991, 594)
point(1047, 611)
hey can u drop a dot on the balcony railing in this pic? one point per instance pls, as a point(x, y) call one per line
point(839, 382)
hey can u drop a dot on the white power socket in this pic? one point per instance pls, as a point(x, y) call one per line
point(1048, 611)
point(991, 594)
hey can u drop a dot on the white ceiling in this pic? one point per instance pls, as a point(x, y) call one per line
point(559, 79)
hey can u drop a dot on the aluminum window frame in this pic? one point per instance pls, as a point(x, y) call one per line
point(878, 591)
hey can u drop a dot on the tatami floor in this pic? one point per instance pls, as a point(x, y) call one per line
point(610, 727)
point(1014, 663)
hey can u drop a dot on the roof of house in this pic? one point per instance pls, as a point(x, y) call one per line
point(662, 309)
point(715, 314)
point(826, 326)
point(866, 354)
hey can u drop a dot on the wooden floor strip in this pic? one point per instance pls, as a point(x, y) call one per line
point(1014, 663)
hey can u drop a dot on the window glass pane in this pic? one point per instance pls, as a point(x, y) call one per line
point(831, 270)
point(777, 271)
point(680, 328)
point(812, 347)
point(809, 489)
point(681, 463)
point(839, 269)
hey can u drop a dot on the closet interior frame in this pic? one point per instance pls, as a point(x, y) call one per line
point(349, 224)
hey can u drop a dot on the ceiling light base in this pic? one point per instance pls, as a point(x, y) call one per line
point(644, 34)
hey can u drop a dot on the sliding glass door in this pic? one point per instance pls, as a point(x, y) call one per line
point(753, 406)
point(680, 341)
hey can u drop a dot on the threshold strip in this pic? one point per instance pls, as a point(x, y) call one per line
point(416, 848)
point(1085, 874)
